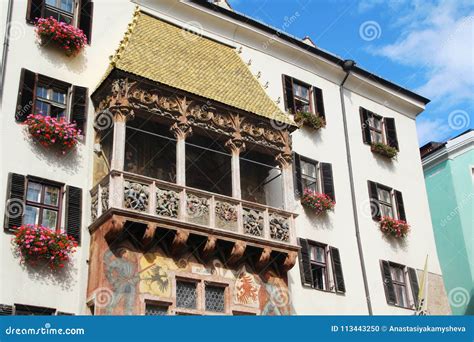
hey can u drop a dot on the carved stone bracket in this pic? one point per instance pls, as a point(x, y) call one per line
point(114, 228)
point(179, 242)
point(284, 159)
point(264, 259)
point(149, 235)
point(236, 146)
point(181, 130)
point(290, 261)
point(209, 248)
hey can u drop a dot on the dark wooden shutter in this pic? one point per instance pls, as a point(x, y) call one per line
point(79, 107)
point(297, 183)
point(327, 180)
point(387, 282)
point(61, 313)
point(391, 132)
point(364, 121)
point(6, 310)
point(74, 212)
point(414, 284)
point(305, 263)
point(400, 206)
point(288, 94)
point(337, 270)
point(26, 91)
point(15, 204)
point(319, 103)
point(374, 201)
point(86, 8)
point(34, 10)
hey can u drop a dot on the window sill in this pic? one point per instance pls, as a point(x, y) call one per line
point(325, 291)
point(401, 307)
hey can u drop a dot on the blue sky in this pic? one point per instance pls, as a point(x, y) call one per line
point(425, 46)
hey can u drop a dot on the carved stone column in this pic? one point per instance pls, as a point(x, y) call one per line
point(285, 161)
point(236, 146)
point(181, 131)
point(120, 116)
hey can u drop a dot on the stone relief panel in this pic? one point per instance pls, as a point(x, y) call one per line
point(226, 216)
point(136, 196)
point(167, 203)
point(197, 209)
point(253, 222)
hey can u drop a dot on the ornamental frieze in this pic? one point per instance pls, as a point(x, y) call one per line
point(134, 95)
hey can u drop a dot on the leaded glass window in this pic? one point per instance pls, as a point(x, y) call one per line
point(215, 298)
point(156, 310)
point(186, 294)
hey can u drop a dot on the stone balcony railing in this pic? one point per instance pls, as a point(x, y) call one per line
point(207, 212)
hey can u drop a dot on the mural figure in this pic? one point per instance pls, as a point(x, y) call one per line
point(154, 278)
point(121, 273)
point(246, 289)
point(275, 297)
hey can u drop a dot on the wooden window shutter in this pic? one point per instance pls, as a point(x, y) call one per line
point(414, 285)
point(297, 183)
point(305, 263)
point(400, 206)
point(74, 212)
point(327, 180)
point(387, 282)
point(337, 270)
point(319, 103)
point(374, 201)
point(391, 132)
point(26, 91)
point(34, 10)
point(86, 9)
point(364, 121)
point(79, 107)
point(15, 204)
point(6, 310)
point(288, 94)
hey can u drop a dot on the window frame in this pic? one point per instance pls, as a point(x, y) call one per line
point(300, 99)
point(374, 129)
point(405, 284)
point(317, 171)
point(42, 206)
point(33, 309)
point(324, 265)
point(50, 84)
point(155, 303)
point(392, 205)
point(60, 12)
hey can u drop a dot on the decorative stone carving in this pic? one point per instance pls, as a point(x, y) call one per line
point(167, 203)
point(279, 228)
point(226, 215)
point(290, 261)
point(253, 222)
point(197, 209)
point(104, 197)
point(94, 206)
point(181, 130)
point(136, 196)
point(237, 252)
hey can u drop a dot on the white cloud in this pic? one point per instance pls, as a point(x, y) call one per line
point(431, 130)
point(438, 40)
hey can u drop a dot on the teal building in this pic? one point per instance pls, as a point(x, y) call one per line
point(449, 176)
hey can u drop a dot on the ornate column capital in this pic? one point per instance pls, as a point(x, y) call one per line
point(235, 145)
point(106, 118)
point(284, 159)
point(181, 130)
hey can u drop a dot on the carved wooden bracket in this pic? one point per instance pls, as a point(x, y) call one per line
point(178, 245)
point(149, 235)
point(289, 262)
point(114, 228)
point(237, 252)
point(209, 248)
point(236, 146)
point(264, 259)
point(181, 130)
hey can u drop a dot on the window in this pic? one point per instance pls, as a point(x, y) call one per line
point(386, 202)
point(156, 309)
point(72, 12)
point(51, 100)
point(313, 175)
point(42, 204)
point(61, 10)
point(199, 297)
point(301, 97)
point(30, 310)
point(215, 298)
point(320, 266)
point(186, 295)
point(378, 129)
point(41, 201)
point(400, 283)
point(48, 96)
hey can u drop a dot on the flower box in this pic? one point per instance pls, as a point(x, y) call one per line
point(393, 227)
point(36, 244)
point(67, 37)
point(384, 150)
point(309, 119)
point(316, 201)
point(52, 132)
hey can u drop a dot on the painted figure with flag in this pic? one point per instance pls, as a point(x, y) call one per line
point(422, 307)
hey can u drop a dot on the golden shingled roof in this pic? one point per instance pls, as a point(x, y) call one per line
point(167, 54)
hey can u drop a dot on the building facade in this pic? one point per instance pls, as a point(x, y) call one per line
point(225, 168)
point(449, 173)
